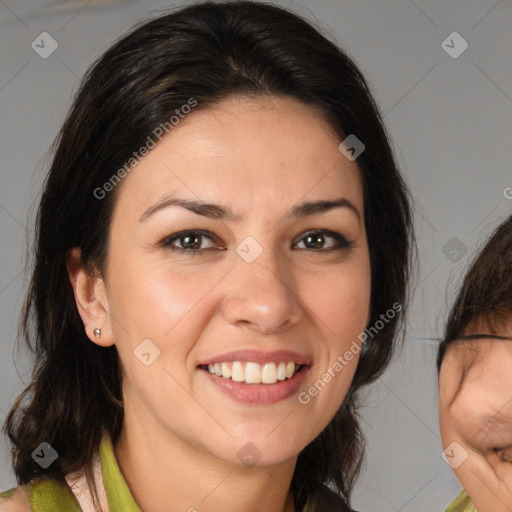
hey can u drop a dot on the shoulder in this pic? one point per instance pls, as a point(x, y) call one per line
point(40, 494)
point(330, 501)
point(15, 500)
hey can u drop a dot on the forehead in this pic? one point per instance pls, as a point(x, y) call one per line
point(261, 152)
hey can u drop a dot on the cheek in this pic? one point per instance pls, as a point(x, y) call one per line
point(169, 308)
point(340, 305)
point(153, 301)
point(340, 299)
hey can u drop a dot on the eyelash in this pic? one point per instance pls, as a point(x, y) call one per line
point(343, 243)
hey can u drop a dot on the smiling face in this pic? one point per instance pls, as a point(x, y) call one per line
point(238, 247)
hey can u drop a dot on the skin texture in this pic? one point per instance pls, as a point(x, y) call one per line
point(16, 502)
point(479, 418)
point(259, 157)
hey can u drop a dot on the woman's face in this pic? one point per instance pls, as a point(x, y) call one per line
point(476, 418)
point(270, 279)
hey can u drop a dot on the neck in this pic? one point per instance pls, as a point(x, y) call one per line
point(163, 471)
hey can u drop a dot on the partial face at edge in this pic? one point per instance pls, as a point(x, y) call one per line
point(308, 295)
point(476, 415)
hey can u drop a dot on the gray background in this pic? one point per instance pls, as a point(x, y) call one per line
point(450, 120)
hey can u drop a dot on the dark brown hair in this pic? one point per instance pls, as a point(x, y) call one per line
point(207, 51)
point(484, 302)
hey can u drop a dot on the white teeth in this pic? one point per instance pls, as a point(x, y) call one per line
point(281, 371)
point(269, 374)
point(238, 374)
point(254, 373)
point(226, 371)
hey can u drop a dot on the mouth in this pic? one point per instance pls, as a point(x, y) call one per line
point(255, 377)
point(251, 372)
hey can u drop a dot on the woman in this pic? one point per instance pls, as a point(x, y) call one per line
point(474, 362)
point(222, 221)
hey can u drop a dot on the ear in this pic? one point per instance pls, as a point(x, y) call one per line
point(91, 299)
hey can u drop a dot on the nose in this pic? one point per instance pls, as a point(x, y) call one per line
point(262, 295)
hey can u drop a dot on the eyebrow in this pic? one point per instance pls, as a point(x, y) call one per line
point(215, 211)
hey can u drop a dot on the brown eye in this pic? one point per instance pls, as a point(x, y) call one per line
point(316, 240)
point(190, 241)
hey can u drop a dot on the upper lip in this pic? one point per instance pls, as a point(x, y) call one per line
point(257, 356)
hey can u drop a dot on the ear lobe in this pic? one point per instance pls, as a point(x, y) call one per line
point(90, 298)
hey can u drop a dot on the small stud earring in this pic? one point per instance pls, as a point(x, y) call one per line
point(97, 332)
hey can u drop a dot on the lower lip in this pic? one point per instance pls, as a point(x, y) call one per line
point(259, 393)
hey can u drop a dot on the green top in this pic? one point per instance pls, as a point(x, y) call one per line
point(50, 495)
point(53, 496)
point(461, 504)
